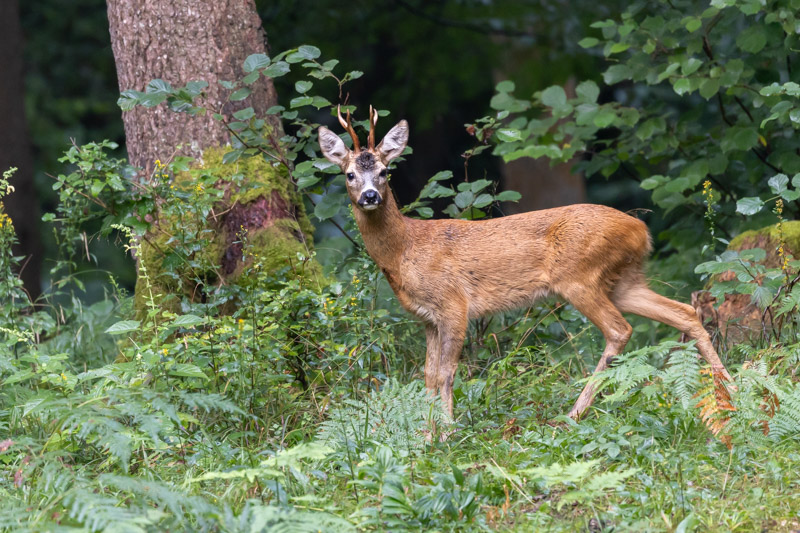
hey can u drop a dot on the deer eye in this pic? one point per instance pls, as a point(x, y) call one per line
point(383, 173)
point(351, 176)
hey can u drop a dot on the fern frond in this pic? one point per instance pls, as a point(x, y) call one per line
point(714, 402)
point(257, 516)
point(682, 376)
point(628, 371)
point(786, 422)
point(395, 416)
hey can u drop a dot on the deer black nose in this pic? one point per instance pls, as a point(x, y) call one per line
point(370, 197)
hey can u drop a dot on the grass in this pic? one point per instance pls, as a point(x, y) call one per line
point(206, 425)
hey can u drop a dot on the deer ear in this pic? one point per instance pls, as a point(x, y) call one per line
point(332, 146)
point(394, 143)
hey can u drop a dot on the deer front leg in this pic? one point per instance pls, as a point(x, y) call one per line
point(432, 353)
point(451, 338)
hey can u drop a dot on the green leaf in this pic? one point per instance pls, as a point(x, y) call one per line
point(749, 206)
point(158, 86)
point(187, 370)
point(125, 326)
point(425, 212)
point(309, 52)
point(152, 99)
point(128, 100)
point(255, 61)
point(509, 135)
point(232, 156)
point(304, 182)
point(790, 195)
point(617, 73)
point(588, 91)
point(588, 42)
point(508, 196)
point(505, 86)
point(329, 206)
point(251, 78)
point(693, 24)
point(649, 127)
point(709, 88)
point(240, 94)
point(616, 48)
point(677, 185)
point(753, 39)
point(319, 102)
point(300, 101)
point(690, 523)
point(303, 86)
point(652, 182)
point(478, 186)
point(554, 96)
point(464, 199)
point(186, 321)
point(690, 66)
point(276, 70)
point(604, 118)
point(441, 192)
point(447, 174)
point(739, 138)
point(244, 114)
point(681, 86)
point(483, 200)
point(778, 183)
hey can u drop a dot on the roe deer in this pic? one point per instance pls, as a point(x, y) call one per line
point(448, 271)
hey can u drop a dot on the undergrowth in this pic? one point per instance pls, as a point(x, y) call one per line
point(292, 403)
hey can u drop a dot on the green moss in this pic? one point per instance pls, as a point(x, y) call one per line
point(164, 289)
point(261, 179)
point(791, 235)
point(170, 277)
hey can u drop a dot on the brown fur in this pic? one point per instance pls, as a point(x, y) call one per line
point(449, 271)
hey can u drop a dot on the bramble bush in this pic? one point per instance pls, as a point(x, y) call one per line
point(290, 402)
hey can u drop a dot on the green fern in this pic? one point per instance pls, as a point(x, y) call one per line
point(273, 519)
point(396, 416)
point(580, 477)
point(682, 375)
point(786, 422)
point(628, 371)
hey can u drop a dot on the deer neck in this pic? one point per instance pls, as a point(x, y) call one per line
point(384, 231)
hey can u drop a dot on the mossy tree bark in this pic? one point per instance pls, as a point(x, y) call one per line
point(737, 319)
point(15, 149)
point(188, 40)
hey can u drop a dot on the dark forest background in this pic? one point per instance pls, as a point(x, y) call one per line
point(433, 63)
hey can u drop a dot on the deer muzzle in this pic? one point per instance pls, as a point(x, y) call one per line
point(370, 199)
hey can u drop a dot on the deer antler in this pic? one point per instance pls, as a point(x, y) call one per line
point(349, 127)
point(373, 120)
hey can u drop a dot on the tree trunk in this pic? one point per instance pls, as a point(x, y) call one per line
point(178, 42)
point(541, 185)
point(15, 149)
point(189, 40)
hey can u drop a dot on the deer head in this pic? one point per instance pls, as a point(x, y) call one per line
point(365, 169)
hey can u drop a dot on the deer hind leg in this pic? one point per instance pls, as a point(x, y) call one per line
point(451, 340)
point(632, 295)
point(603, 314)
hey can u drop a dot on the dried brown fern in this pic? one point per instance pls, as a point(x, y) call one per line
point(714, 402)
